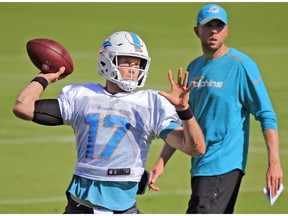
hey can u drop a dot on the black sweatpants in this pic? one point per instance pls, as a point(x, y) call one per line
point(215, 194)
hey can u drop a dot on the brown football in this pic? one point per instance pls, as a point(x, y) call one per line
point(49, 55)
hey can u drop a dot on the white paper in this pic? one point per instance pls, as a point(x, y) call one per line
point(269, 194)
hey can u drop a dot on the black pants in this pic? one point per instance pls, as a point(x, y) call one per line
point(74, 207)
point(215, 194)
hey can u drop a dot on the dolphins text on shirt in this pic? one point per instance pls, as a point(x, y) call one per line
point(210, 83)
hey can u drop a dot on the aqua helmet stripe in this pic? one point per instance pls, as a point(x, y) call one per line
point(137, 44)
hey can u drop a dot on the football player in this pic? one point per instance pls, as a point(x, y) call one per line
point(114, 125)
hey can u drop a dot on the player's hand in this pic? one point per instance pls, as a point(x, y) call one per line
point(155, 173)
point(179, 94)
point(52, 77)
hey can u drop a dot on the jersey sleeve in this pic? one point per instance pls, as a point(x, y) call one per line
point(165, 117)
point(255, 96)
point(66, 104)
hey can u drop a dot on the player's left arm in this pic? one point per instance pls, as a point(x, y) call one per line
point(158, 168)
point(189, 138)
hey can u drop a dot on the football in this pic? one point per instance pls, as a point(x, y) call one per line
point(49, 55)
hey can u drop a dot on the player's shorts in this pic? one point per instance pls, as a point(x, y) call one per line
point(74, 207)
point(215, 194)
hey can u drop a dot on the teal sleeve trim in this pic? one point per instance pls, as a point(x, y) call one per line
point(168, 129)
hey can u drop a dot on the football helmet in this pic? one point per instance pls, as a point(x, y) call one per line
point(123, 43)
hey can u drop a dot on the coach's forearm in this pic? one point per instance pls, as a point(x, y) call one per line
point(272, 142)
point(274, 175)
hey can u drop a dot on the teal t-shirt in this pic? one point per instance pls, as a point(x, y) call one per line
point(117, 196)
point(228, 89)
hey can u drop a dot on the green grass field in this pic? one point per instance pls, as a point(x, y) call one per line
point(37, 162)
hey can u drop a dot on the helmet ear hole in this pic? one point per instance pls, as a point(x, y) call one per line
point(102, 63)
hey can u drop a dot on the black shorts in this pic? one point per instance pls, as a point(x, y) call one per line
point(215, 194)
point(74, 207)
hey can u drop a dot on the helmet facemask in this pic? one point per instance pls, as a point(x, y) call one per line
point(130, 84)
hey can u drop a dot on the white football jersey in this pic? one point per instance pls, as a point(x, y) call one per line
point(114, 131)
